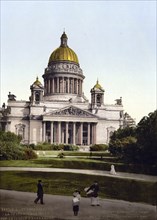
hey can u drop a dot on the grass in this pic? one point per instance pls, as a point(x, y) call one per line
point(73, 163)
point(66, 183)
point(80, 163)
point(50, 153)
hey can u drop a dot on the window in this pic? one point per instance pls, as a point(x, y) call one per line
point(20, 130)
point(37, 97)
point(98, 100)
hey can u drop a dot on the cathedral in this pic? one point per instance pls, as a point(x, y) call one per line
point(57, 110)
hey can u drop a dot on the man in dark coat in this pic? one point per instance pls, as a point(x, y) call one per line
point(94, 195)
point(40, 192)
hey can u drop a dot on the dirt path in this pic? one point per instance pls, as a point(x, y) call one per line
point(20, 206)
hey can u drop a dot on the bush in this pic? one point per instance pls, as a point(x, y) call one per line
point(99, 147)
point(9, 136)
point(10, 148)
point(10, 151)
point(69, 147)
point(29, 154)
point(61, 155)
point(32, 146)
point(42, 147)
point(57, 147)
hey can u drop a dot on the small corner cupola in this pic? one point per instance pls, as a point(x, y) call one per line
point(37, 82)
point(37, 90)
point(97, 95)
point(97, 87)
point(64, 40)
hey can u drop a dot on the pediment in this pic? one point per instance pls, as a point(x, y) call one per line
point(71, 111)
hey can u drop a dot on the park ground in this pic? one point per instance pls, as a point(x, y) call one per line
point(20, 206)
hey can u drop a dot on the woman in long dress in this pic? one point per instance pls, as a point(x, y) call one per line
point(94, 188)
point(112, 171)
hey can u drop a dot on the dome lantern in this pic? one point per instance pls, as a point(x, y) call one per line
point(64, 40)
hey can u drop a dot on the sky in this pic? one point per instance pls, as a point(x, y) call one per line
point(115, 42)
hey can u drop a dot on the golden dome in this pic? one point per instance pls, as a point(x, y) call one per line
point(97, 87)
point(37, 82)
point(63, 53)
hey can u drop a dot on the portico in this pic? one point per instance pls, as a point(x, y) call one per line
point(69, 132)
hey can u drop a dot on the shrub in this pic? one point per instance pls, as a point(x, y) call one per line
point(32, 146)
point(57, 147)
point(99, 147)
point(13, 151)
point(61, 155)
point(10, 151)
point(69, 147)
point(29, 154)
point(9, 136)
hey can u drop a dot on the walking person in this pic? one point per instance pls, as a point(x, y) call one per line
point(94, 189)
point(40, 193)
point(76, 202)
point(112, 171)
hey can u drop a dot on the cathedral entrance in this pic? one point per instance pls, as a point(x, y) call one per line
point(66, 137)
point(76, 133)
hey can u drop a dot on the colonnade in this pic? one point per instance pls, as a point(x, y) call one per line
point(76, 133)
point(63, 85)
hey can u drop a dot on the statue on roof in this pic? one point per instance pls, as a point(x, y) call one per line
point(119, 101)
point(11, 97)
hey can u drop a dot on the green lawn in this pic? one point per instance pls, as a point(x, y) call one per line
point(66, 183)
point(73, 163)
point(50, 153)
point(80, 163)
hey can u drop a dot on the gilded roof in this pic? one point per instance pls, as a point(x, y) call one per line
point(97, 87)
point(37, 82)
point(63, 53)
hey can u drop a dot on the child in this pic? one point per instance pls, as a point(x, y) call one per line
point(76, 202)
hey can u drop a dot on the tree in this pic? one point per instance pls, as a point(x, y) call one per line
point(123, 145)
point(10, 137)
point(122, 133)
point(147, 138)
point(137, 144)
point(10, 148)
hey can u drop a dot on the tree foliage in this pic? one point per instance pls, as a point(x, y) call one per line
point(9, 137)
point(122, 146)
point(123, 133)
point(10, 148)
point(147, 138)
point(138, 145)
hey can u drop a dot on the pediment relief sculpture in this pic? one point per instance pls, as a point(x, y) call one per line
point(72, 111)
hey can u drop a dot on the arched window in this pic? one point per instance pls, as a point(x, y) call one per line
point(98, 100)
point(37, 97)
point(20, 130)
